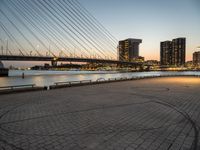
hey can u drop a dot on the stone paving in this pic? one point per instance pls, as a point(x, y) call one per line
point(147, 114)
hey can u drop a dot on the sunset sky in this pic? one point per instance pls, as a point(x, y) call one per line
point(151, 20)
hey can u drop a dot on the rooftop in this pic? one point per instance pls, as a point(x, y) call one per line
point(133, 40)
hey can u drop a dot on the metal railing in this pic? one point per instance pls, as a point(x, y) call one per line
point(100, 79)
point(73, 82)
point(17, 87)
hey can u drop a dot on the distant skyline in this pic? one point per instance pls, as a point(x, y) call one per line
point(153, 21)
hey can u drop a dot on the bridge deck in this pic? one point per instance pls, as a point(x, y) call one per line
point(63, 59)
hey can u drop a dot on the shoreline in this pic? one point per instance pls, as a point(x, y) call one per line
point(69, 84)
point(59, 73)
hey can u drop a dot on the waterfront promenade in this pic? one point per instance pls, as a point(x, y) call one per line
point(152, 114)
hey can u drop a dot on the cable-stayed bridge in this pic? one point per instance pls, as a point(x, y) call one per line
point(54, 30)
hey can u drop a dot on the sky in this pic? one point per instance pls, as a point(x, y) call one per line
point(150, 20)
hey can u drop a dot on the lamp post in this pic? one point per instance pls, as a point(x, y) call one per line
point(2, 46)
point(37, 47)
point(74, 51)
point(6, 46)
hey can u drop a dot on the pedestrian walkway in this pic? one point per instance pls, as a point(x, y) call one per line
point(152, 114)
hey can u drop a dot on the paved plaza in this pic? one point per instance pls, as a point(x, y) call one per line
point(148, 114)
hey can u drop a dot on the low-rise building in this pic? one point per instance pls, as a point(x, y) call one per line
point(196, 58)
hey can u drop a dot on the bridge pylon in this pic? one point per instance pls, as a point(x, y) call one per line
point(54, 62)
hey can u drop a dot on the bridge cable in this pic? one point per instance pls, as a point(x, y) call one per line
point(52, 29)
point(22, 22)
point(33, 24)
point(94, 21)
point(71, 25)
point(19, 31)
point(83, 33)
point(88, 21)
point(12, 37)
point(56, 20)
point(80, 21)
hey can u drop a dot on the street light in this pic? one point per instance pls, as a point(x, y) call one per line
point(74, 51)
point(6, 46)
point(2, 42)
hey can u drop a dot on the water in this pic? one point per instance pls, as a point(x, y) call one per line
point(46, 78)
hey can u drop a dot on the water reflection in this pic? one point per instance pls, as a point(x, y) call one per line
point(45, 78)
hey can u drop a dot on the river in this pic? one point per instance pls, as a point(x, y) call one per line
point(46, 78)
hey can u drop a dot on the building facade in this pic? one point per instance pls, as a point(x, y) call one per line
point(128, 50)
point(166, 53)
point(196, 58)
point(178, 51)
point(172, 53)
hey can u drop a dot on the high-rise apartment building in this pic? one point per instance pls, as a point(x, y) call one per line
point(178, 51)
point(166, 53)
point(196, 58)
point(172, 53)
point(128, 50)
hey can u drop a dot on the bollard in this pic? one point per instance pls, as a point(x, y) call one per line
point(23, 75)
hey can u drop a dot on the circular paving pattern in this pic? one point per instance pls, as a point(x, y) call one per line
point(153, 117)
point(102, 120)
